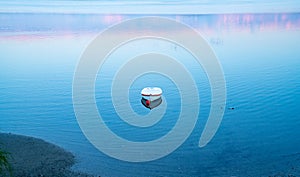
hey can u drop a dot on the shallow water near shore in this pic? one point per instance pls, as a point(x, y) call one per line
point(260, 58)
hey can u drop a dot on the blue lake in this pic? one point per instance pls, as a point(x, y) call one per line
point(260, 57)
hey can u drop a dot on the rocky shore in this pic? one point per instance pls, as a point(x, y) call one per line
point(32, 157)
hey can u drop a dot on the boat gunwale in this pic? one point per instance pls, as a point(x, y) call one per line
point(151, 94)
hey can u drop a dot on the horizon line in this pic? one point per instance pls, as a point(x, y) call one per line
point(146, 7)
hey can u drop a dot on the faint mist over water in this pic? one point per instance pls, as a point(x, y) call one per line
point(260, 57)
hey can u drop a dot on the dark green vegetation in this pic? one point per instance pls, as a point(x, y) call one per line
point(5, 167)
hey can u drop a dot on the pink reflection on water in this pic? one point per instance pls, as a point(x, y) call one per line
point(242, 22)
point(111, 19)
point(258, 22)
point(38, 36)
point(72, 26)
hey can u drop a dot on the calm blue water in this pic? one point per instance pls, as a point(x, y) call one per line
point(260, 57)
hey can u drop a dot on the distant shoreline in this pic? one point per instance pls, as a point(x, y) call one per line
point(148, 7)
point(35, 157)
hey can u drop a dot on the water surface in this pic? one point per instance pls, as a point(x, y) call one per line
point(260, 59)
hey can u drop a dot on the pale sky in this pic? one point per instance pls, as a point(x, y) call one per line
point(151, 6)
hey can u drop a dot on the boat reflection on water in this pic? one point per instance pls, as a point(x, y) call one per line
point(151, 97)
point(151, 104)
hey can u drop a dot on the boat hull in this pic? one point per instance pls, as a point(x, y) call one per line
point(151, 104)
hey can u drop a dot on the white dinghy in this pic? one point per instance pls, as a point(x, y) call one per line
point(151, 97)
